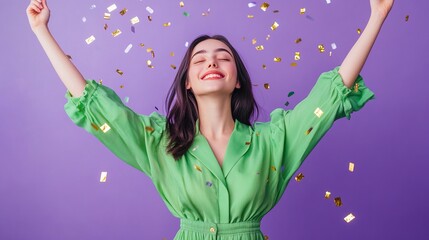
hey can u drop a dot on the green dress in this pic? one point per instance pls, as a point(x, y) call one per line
point(213, 202)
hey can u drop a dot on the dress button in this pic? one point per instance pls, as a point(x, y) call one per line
point(212, 229)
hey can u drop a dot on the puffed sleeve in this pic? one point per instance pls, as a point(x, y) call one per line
point(128, 135)
point(296, 132)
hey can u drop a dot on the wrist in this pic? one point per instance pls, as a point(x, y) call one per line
point(41, 30)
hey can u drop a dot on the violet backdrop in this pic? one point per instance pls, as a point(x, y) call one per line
point(50, 169)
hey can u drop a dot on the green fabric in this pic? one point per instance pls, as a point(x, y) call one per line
point(258, 162)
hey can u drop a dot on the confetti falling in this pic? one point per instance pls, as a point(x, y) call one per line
point(318, 112)
point(251, 4)
point(407, 18)
point(126, 99)
point(116, 33)
point(209, 184)
point(267, 86)
point(327, 195)
point(351, 167)
point(105, 26)
point(321, 48)
point(275, 26)
point(112, 8)
point(334, 46)
point(103, 176)
point(359, 31)
point(264, 6)
point(149, 10)
point(297, 56)
point(299, 177)
point(264, 66)
point(290, 94)
point(254, 41)
point(277, 59)
point(260, 47)
point(298, 40)
point(90, 39)
point(135, 20)
point(167, 24)
point(181, 4)
point(302, 11)
point(356, 87)
point(349, 218)
point(83, 19)
point(105, 128)
point(173, 66)
point(128, 48)
point(123, 11)
point(119, 72)
point(338, 202)
point(107, 16)
point(149, 64)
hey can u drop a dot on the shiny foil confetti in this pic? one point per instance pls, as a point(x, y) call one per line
point(150, 50)
point(149, 18)
point(264, 66)
point(135, 20)
point(107, 16)
point(149, 64)
point(116, 33)
point(172, 54)
point(100, 82)
point(302, 11)
point(273, 168)
point(294, 64)
point(267, 86)
point(277, 59)
point(299, 177)
point(308, 131)
point(149, 10)
point(359, 31)
point(119, 72)
point(251, 4)
point(195, 148)
point(173, 66)
point(260, 47)
point(298, 40)
point(186, 14)
point(264, 6)
point(254, 41)
point(141, 44)
point(318, 112)
point(105, 26)
point(149, 129)
point(349, 218)
point(407, 18)
point(268, 37)
point(103, 176)
point(83, 19)
point(123, 11)
point(274, 26)
point(197, 168)
point(181, 4)
point(105, 128)
point(127, 50)
point(167, 24)
point(351, 167)
point(356, 87)
point(94, 126)
point(90, 39)
point(327, 195)
point(338, 202)
point(333, 46)
point(297, 56)
point(250, 16)
point(112, 8)
point(321, 48)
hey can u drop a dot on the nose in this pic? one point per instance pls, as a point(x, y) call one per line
point(212, 64)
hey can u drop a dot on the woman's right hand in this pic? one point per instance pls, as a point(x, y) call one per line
point(38, 14)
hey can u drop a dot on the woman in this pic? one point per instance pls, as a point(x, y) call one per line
point(215, 170)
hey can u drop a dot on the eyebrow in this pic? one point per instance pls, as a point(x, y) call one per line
point(217, 50)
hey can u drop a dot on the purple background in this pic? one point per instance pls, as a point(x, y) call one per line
point(50, 169)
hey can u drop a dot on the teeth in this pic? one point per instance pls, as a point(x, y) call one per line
point(212, 75)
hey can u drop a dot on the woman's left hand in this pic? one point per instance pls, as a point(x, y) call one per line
point(381, 7)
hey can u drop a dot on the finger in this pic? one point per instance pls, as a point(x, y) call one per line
point(44, 3)
point(36, 7)
point(37, 3)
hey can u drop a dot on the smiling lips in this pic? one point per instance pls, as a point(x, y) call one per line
point(212, 75)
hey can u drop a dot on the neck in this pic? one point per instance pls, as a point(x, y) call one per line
point(215, 117)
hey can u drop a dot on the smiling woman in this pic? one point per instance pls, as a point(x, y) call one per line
point(215, 168)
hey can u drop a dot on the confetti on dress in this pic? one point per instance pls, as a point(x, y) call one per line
point(128, 48)
point(103, 176)
point(149, 10)
point(112, 8)
point(318, 112)
point(198, 168)
point(209, 184)
point(135, 20)
point(327, 195)
point(149, 129)
point(308, 131)
point(264, 6)
point(116, 33)
point(349, 218)
point(351, 167)
point(206, 13)
point(275, 26)
point(299, 177)
point(105, 128)
point(90, 39)
point(267, 86)
point(273, 168)
point(338, 202)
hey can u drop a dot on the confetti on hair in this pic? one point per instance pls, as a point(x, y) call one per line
point(318, 112)
point(298, 40)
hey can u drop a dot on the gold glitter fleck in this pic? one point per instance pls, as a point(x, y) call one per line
point(103, 176)
point(407, 18)
point(116, 33)
point(149, 129)
point(150, 50)
point(181, 4)
point(298, 40)
point(264, 6)
point(111, 8)
point(277, 59)
point(327, 195)
point(254, 41)
point(197, 168)
point(105, 128)
point(273, 168)
point(349, 218)
point(167, 24)
point(299, 177)
point(302, 11)
point(351, 167)
point(308, 131)
point(123, 11)
point(267, 86)
point(356, 87)
point(90, 39)
point(275, 26)
point(173, 66)
point(94, 126)
point(107, 16)
point(321, 48)
point(359, 31)
point(338, 202)
point(250, 16)
point(135, 20)
point(293, 64)
point(297, 56)
point(119, 71)
point(105, 26)
point(260, 47)
point(318, 112)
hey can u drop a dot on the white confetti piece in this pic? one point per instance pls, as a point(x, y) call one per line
point(149, 9)
point(251, 4)
point(103, 176)
point(334, 46)
point(128, 48)
point(112, 8)
point(83, 19)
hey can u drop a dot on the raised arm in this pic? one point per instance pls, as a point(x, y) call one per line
point(355, 59)
point(38, 15)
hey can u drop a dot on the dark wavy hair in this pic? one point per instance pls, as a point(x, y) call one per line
point(182, 108)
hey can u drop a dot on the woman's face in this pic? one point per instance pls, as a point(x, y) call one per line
point(212, 69)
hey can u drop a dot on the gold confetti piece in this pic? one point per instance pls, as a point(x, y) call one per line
point(338, 202)
point(260, 47)
point(105, 128)
point(135, 20)
point(294, 64)
point(264, 6)
point(105, 26)
point(407, 18)
point(149, 64)
point(268, 37)
point(197, 168)
point(356, 87)
point(116, 33)
point(359, 31)
point(264, 66)
point(277, 59)
point(327, 195)
point(149, 18)
point(150, 50)
point(273, 168)
point(94, 126)
point(298, 40)
point(119, 71)
point(167, 24)
point(172, 54)
point(302, 11)
point(299, 177)
point(318, 112)
point(173, 66)
point(103, 176)
point(351, 167)
point(122, 86)
point(90, 39)
point(308, 131)
point(141, 44)
point(267, 86)
point(254, 41)
point(349, 218)
point(250, 16)
point(149, 129)
point(112, 8)
point(321, 48)
point(297, 56)
point(181, 4)
point(247, 143)
point(275, 26)
point(107, 16)
point(123, 11)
